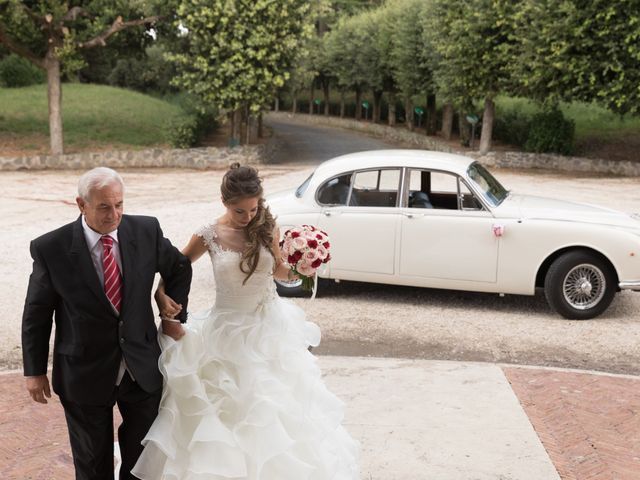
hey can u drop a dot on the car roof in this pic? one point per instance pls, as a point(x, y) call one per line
point(395, 158)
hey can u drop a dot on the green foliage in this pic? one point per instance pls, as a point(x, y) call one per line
point(577, 50)
point(471, 40)
point(513, 127)
point(16, 71)
point(551, 132)
point(189, 129)
point(411, 55)
point(151, 73)
point(239, 53)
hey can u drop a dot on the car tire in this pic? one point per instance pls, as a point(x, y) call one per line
point(291, 289)
point(580, 285)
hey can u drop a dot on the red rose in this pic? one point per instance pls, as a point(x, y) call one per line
point(316, 263)
point(319, 237)
point(312, 243)
point(291, 260)
point(295, 234)
point(297, 255)
point(326, 245)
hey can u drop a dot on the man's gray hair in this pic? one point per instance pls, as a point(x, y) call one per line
point(98, 177)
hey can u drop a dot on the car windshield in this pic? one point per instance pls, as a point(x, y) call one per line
point(491, 189)
point(303, 186)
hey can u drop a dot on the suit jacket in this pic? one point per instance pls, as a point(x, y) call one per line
point(90, 337)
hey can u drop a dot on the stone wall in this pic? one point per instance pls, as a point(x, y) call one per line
point(495, 159)
point(198, 158)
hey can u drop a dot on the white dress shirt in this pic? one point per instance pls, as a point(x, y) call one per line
point(97, 252)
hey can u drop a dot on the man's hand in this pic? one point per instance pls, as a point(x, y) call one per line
point(39, 388)
point(172, 328)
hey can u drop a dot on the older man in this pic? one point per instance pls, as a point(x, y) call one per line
point(94, 276)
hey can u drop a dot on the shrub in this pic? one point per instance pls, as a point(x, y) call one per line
point(551, 132)
point(512, 127)
point(16, 71)
point(189, 130)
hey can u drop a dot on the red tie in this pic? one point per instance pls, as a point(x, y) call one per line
point(112, 279)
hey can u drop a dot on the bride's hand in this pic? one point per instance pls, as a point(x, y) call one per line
point(167, 306)
point(172, 328)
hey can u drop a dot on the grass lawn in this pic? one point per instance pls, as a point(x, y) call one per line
point(95, 117)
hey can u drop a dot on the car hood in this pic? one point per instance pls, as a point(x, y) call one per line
point(542, 208)
point(283, 202)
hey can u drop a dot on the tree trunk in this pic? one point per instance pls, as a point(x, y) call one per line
point(325, 91)
point(276, 106)
point(431, 121)
point(54, 94)
point(392, 109)
point(236, 119)
point(447, 120)
point(487, 125)
point(342, 108)
point(260, 126)
point(358, 104)
point(465, 129)
point(377, 101)
point(408, 113)
point(312, 91)
point(294, 105)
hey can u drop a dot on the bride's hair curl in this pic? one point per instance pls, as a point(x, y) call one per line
point(242, 182)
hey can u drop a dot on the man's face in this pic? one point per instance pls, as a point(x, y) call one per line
point(103, 209)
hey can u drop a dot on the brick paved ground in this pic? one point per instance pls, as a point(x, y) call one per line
point(34, 443)
point(589, 424)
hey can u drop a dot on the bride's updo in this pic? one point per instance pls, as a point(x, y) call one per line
point(242, 182)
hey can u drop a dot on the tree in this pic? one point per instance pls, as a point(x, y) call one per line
point(239, 53)
point(472, 38)
point(51, 33)
point(579, 50)
point(411, 58)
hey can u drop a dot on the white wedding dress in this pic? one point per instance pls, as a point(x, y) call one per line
point(243, 397)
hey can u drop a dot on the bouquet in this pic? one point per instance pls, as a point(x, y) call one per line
point(305, 249)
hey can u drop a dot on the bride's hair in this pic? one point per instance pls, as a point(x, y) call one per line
point(242, 182)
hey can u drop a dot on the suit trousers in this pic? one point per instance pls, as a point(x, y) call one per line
point(91, 430)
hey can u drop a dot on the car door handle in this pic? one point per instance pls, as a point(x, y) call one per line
point(412, 215)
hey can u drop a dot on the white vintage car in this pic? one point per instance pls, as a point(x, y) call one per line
point(431, 219)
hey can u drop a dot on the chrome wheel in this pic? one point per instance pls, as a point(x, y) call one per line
point(584, 286)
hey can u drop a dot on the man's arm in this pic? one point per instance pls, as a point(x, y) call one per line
point(175, 270)
point(37, 320)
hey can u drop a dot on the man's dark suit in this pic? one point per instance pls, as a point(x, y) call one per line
point(90, 337)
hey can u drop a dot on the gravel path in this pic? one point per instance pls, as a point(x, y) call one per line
point(360, 319)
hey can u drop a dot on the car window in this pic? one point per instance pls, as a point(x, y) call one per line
point(375, 188)
point(439, 190)
point(335, 191)
point(303, 186)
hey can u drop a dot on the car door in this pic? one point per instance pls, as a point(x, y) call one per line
point(360, 214)
point(445, 233)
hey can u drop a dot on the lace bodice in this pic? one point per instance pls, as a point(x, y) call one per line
point(225, 245)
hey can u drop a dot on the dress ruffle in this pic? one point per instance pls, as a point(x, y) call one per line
point(244, 399)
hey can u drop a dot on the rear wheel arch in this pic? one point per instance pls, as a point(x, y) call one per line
point(544, 267)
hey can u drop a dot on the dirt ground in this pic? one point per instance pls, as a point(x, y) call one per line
point(356, 319)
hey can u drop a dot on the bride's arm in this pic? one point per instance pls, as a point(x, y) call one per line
point(282, 271)
point(167, 306)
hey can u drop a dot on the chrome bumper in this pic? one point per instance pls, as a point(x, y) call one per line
point(635, 286)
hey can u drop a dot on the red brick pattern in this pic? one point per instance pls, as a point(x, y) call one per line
point(34, 444)
point(589, 424)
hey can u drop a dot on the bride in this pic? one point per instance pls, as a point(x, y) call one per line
point(243, 397)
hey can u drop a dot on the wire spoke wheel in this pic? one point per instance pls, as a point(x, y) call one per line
point(584, 286)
